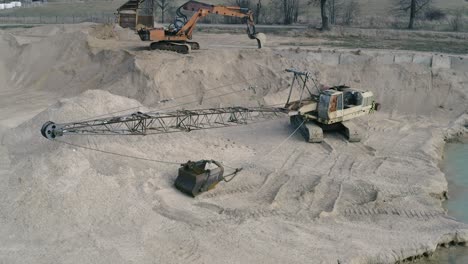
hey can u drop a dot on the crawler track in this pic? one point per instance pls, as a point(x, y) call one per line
point(172, 46)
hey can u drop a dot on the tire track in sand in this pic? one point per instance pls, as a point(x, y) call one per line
point(275, 181)
point(238, 190)
point(329, 189)
point(398, 212)
point(187, 249)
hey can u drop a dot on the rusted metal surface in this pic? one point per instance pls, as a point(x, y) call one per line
point(127, 20)
point(136, 12)
point(333, 103)
point(147, 21)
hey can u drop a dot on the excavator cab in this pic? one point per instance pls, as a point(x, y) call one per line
point(333, 108)
point(196, 177)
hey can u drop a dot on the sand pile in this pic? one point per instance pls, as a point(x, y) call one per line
point(62, 65)
point(378, 201)
point(66, 64)
point(112, 31)
point(103, 31)
point(402, 89)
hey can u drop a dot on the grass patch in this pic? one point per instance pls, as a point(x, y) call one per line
point(67, 9)
point(15, 26)
point(427, 45)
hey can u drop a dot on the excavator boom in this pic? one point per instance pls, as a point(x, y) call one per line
point(162, 122)
point(203, 10)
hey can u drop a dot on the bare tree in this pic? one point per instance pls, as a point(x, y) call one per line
point(323, 12)
point(456, 23)
point(272, 12)
point(290, 11)
point(258, 11)
point(413, 7)
point(243, 3)
point(342, 11)
point(333, 7)
point(350, 11)
point(164, 6)
point(324, 15)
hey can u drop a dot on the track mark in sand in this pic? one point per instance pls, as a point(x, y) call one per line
point(275, 181)
point(336, 186)
point(378, 162)
point(252, 213)
point(287, 161)
point(363, 193)
point(402, 191)
point(414, 214)
point(407, 254)
point(306, 194)
point(361, 147)
point(403, 142)
point(238, 190)
point(211, 207)
point(370, 150)
point(275, 194)
point(329, 187)
point(370, 166)
point(4, 159)
point(187, 249)
point(327, 147)
point(175, 214)
point(237, 216)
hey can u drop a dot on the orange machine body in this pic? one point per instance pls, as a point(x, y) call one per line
point(174, 37)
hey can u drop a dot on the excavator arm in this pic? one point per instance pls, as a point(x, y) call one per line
point(203, 10)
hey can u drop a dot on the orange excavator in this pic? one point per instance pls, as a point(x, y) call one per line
point(176, 37)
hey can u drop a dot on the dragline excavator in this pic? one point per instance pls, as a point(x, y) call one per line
point(176, 37)
point(328, 108)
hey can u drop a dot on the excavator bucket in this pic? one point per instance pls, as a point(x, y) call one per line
point(199, 176)
point(252, 34)
point(261, 40)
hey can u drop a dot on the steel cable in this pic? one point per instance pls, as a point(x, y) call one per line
point(117, 154)
point(183, 96)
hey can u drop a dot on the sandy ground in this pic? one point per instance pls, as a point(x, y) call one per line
point(378, 201)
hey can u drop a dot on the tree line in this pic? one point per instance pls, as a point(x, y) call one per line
point(288, 11)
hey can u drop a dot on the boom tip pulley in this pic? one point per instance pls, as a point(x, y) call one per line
point(49, 130)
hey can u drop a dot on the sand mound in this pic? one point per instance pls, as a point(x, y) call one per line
point(112, 31)
point(103, 31)
point(46, 173)
point(66, 65)
point(402, 89)
point(46, 31)
point(378, 201)
point(118, 208)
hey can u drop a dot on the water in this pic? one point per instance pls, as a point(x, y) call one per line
point(455, 167)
